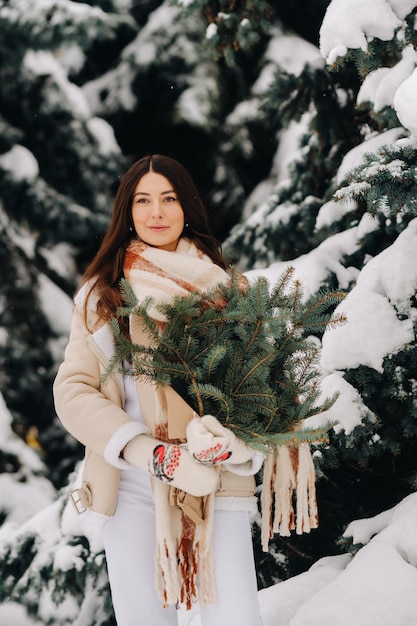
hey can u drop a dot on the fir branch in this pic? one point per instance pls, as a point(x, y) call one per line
point(252, 368)
point(277, 292)
point(212, 392)
point(385, 182)
point(241, 355)
point(213, 359)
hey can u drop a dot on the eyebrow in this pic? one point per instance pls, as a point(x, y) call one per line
point(144, 193)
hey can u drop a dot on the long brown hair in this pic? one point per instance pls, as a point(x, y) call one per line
point(106, 268)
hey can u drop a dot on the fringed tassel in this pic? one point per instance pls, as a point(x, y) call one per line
point(168, 528)
point(205, 575)
point(288, 473)
point(187, 563)
point(195, 560)
point(307, 514)
point(266, 500)
point(183, 563)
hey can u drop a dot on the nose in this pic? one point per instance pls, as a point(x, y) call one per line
point(157, 208)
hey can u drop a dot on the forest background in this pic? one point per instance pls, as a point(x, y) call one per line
point(298, 121)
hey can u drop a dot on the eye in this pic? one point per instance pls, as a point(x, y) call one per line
point(141, 200)
point(170, 199)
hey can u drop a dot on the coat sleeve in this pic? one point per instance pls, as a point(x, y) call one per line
point(90, 410)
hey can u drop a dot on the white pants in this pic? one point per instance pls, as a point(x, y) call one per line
point(129, 543)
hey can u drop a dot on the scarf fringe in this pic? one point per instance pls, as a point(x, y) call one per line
point(183, 564)
point(288, 476)
point(183, 560)
point(168, 521)
point(205, 573)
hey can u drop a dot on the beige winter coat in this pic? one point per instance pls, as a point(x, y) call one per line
point(93, 413)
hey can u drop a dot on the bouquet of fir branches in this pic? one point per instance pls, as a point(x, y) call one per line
point(245, 354)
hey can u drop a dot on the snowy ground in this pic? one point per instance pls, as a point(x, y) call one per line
point(377, 587)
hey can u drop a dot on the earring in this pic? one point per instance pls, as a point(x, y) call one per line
point(131, 229)
point(186, 226)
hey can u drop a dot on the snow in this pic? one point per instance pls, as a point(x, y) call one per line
point(378, 333)
point(24, 499)
point(313, 268)
point(13, 614)
point(405, 103)
point(55, 535)
point(20, 163)
point(23, 492)
point(162, 40)
point(195, 103)
point(355, 156)
point(374, 330)
point(380, 86)
point(376, 587)
point(116, 84)
point(333, 211)
point(56, 305)
point(351, 23)
point(402, 7)
point(60, 259)
point(104, 135)
point(72, 58)
point(44, 63)
point(347, 412)
point(144, 50)
point(211, 30)
point(288, 52)
point(257, 202)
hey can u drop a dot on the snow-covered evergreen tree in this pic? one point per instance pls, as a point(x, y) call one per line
point(304, 148)
point(52, 567)
point(58, 166)
point(343, 212)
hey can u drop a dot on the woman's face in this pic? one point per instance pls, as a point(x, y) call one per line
point(157, 215)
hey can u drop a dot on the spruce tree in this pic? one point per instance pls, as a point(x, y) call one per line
point(284, 155)
point(353, 174)
point(53, 565)
point(58, 166)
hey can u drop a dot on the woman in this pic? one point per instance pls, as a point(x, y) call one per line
point(174, 492)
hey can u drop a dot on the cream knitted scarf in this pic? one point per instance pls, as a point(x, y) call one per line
point(184, 570)
point(183, 562)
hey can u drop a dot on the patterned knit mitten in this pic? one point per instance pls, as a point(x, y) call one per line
point(211, 443)
point(171, 464)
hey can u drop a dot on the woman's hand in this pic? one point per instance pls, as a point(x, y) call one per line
point(211, 443)
point(171, 464)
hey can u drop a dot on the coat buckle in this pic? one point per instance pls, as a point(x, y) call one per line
point(81, 499)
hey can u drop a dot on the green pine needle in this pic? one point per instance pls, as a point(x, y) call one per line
point(241, 355)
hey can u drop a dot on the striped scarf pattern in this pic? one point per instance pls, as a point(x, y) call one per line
point(288, 497)
point(184, 571)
